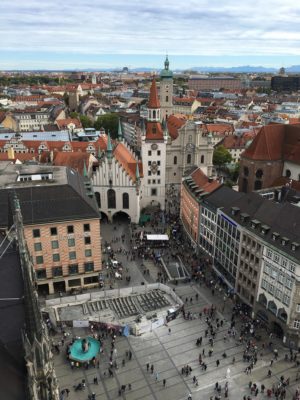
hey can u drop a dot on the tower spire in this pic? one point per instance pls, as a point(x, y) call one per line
point(109, 146)
point(120, 133)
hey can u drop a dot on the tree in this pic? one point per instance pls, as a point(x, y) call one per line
point(109, 122)
point(221, 156)
point(86, 121)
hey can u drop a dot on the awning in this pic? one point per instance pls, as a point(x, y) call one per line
point(157, 237)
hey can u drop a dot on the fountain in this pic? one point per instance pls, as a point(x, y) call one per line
point(83, 350)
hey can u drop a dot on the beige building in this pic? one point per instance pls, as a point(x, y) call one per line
point(61, 224)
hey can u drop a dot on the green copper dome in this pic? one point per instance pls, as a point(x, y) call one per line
point(166, 73)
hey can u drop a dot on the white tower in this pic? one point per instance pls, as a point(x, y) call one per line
point(166, 91)
point(154, 141)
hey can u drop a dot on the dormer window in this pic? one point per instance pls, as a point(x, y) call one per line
point(244, 217)
point(265, 229)
point(275, 236)
point(234, 210)
point(284, 241)
point(254, 223)
point(294, 246)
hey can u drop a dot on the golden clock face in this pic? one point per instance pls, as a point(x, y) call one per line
point(154, 146)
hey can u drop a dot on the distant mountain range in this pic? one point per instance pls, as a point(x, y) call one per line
point(246, 69)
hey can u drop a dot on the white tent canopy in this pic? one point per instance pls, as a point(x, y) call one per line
point(157, 237)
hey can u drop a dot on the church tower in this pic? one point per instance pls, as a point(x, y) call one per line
point(166, 91)
point(154, 141)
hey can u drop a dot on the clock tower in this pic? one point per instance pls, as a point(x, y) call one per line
point(154, 141)
point(166, 91)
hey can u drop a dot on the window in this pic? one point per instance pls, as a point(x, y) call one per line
point(111, 198)
point(189, 159)
point(71, 242)
point(72, 255)
point(289, 283)
point(158, 172)
point(74, 282)
point(39, 259)
point(202, 159)
point(88, 253)
point(175, 160)
point(54, 244)
point(90, 279)
point(153, 192)
point(98, 199)
point(73, 269)
point(125, 198)
point(296, 324)
point(86, 227)
point(57, 271)
point(55, 257)
point(167, 98)
point(70, 229)
point(53, 231)
point(269, 253)
point(149, 163)
point(158, 162)
point(149, 173)
point(149, 153)
point(288, 173)
point(89, 267)
point(40, 274)
point(37, 246)
point(257, 185)
point(259, 173)
point(36, 233)
point(292, 267)
point(158, 152)
point(246, 171)
point(87, 240)
point(298, 308)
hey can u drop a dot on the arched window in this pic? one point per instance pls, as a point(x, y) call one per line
point(288, 173)
point(154, 114)
point(98, 199)
point(257, 185)
point(111, 198)
point(125, 200)
point(167, 98)
point(263, 300)
point(202, 159)
point(175, 160)
point(190, 139)
point(189, 159)
point(259, 173)
point(246, 171)
point(272, 307)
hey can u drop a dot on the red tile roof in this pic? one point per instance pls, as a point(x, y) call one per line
point(154, 131)
point(63, 123)
point(124, 156)
point(275, 142)
point(72, 160)
point(173, 124)
point(203, 182)
point(153, 99)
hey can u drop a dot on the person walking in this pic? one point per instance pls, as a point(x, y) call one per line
point(147, 366)
point(164, 382)
point(156, 376)
point(152, 368)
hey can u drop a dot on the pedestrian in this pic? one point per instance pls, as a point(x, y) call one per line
point(218, 363)
point(129, 386)
point(147, 366)
point(67, 392)
point(169, 331)
point(156, 376)
point(152, 368)
point(189, 396)
point(164, 382)
point(95, 380)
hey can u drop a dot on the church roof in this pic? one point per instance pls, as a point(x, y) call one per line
point(276, 142)
point(153, 99)
point(173, 124)
point(203, 182)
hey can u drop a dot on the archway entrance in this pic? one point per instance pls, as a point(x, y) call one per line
point(121, 217)
point(59, 286)
point(277, 329)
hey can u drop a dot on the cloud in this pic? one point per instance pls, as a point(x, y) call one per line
point(192, 27)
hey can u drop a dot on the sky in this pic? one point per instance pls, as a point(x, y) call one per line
point(79, 34)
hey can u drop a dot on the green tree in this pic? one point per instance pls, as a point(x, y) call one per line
point(221, 156)
point(74, 114)
point(86, 121)
point(109, 122)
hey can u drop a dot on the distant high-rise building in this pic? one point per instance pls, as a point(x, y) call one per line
point(285, 83)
